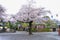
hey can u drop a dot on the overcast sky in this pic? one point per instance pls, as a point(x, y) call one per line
point(13, 6)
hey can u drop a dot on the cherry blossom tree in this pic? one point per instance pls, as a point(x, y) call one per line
point(29, 14)
point(2, 11)
point(2, 16)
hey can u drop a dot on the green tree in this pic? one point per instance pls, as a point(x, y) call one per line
point(50, 23)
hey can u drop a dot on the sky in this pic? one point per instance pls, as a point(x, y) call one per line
point(12, 6)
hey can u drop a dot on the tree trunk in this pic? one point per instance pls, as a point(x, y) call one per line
point(3, 27)
point(30, 27)
point(4, 30)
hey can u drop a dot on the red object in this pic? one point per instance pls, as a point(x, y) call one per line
point(59, 32)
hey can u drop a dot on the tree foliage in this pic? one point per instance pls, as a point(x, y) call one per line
point(50, 23)
point(29, 13)
point(2, 11)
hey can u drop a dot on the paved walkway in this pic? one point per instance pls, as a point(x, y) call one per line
point(25, 36)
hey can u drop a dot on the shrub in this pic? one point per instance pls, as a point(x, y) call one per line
point(44, 30)
point(33, 30)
